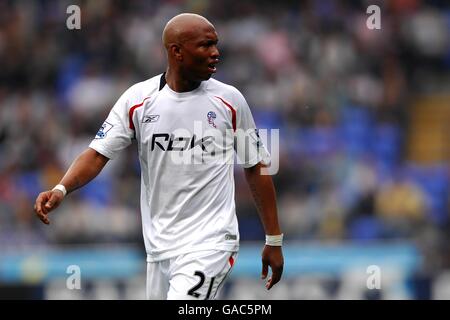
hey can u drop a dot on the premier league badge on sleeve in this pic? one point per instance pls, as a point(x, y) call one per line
point(106, 126)
point(211, 116)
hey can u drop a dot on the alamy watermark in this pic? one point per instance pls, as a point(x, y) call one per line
point(73, 281)
point(374, 278)
point(374, 20)
point(212, 146)
point(73, 21)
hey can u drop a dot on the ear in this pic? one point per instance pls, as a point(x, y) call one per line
point(175, 51)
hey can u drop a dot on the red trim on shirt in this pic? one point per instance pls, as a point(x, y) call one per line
point(233, 112)
point(130, 113)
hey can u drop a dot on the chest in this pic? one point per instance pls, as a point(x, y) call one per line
point(178, 125)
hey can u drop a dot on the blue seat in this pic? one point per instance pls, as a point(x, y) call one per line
point(365, 229)
point(29, 183)
point(98, 192)
point(386, 145)
point(321, 141)
point(267, 119)
point(355, 129)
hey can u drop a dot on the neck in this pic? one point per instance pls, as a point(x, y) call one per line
point(178, 83)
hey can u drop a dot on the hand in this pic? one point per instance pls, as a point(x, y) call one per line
point(272, 256)
point(46, 202)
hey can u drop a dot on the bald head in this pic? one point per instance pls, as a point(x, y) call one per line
point(192, 54)
point(184, 27)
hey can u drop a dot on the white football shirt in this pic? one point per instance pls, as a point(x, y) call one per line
point(185, 143)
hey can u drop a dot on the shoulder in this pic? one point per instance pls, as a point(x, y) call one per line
point(141, 90)
point(228, 94)
point(223, 90)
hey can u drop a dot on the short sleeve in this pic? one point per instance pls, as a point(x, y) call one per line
point(114, 135)
point(249, 146)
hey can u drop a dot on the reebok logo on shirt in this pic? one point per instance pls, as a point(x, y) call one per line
point(167, 142)
point(151, 118)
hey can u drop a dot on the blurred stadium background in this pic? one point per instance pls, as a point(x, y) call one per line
point(364, 119)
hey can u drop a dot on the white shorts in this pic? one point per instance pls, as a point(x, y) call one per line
point(192, 276)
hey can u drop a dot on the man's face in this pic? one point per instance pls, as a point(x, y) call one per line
point(200, 54)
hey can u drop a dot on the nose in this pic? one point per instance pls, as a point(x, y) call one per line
point(215, 54)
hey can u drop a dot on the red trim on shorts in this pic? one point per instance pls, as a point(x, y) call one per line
point(233, 112)
point(130, 113)
point(231, 261)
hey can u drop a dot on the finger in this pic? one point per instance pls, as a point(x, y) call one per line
point(44, 209)
point(265, 270)
point(38, 206)
point(43, 218)
point(51, 202)
point(269, 284)
point(275, 278)
point(272, 281)
point(40, 209)
point(41, 199)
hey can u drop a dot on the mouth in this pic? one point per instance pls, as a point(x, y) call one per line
point(212, 67)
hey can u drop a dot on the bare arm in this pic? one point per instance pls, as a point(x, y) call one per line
point(85, 168)
point(263, 193)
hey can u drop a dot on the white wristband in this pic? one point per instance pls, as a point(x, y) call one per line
point(61, 188)
point(276, 241)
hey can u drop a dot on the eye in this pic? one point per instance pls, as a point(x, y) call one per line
point(208, 44)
